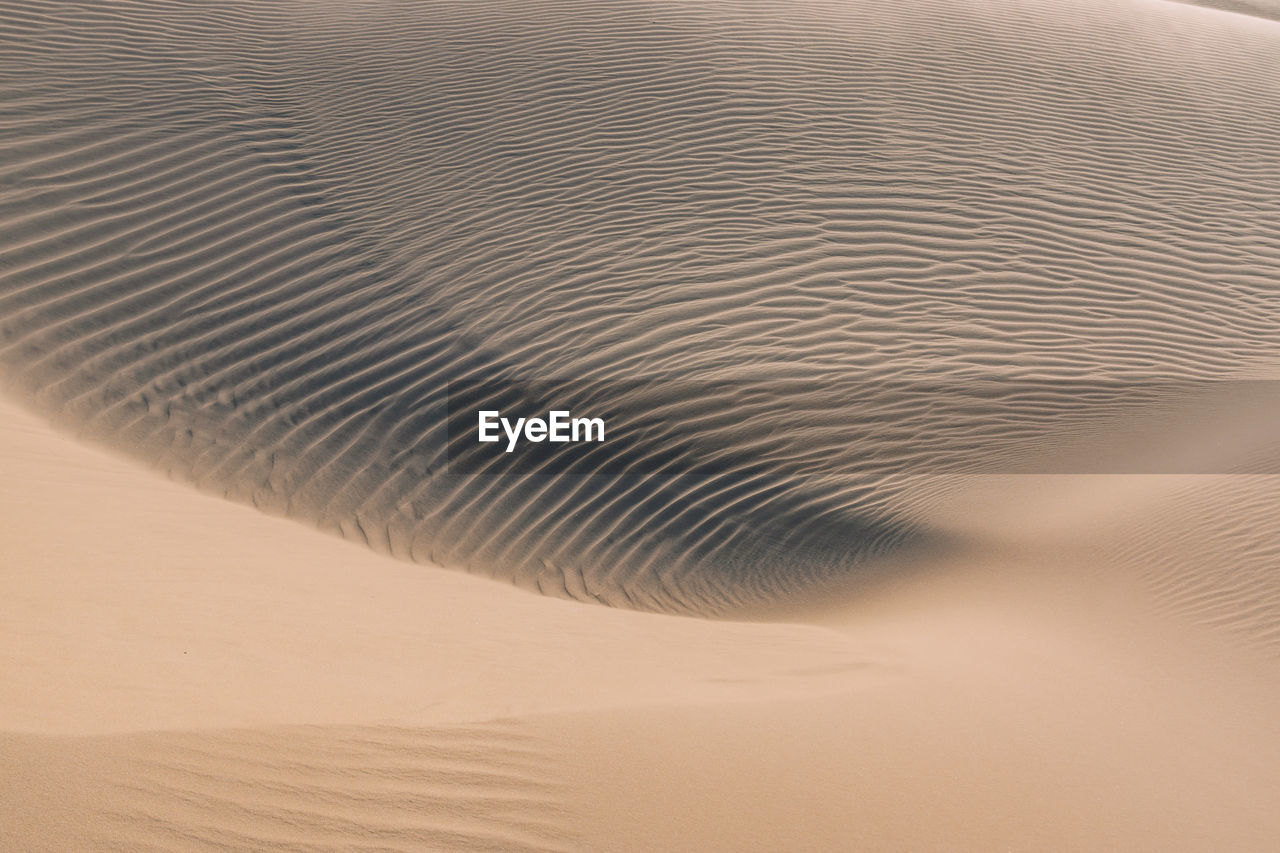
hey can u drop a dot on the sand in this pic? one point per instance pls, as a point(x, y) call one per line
point(252, 244)
point(183, 673)
point(945, 517)
point(137, 611)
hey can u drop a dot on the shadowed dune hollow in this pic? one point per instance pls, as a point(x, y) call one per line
point(254, 243)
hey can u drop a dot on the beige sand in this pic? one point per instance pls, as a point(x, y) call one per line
point(182, 673)
point(131, 604)
point(251, 244)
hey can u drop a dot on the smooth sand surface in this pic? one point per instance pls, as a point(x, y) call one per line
point(183, 673)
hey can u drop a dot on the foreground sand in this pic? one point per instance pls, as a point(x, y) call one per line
point(179, 672)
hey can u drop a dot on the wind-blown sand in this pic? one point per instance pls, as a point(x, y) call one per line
point(183, 673)
point(253, 245)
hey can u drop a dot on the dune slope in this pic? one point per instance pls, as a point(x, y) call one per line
point(252, 243)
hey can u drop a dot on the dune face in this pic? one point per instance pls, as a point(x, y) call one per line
point(934, 348)
point(253, 243)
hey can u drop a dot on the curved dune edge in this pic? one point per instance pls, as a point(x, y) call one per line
point(155, 598)
point(183, 673)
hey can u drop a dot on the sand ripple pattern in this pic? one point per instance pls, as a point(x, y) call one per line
point(252, 242)
point(480, 787)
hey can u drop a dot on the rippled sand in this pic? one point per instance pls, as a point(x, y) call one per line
point(252, 245)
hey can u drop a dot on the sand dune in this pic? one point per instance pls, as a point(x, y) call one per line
point(241, 683)
point(179, 672)
point(251, 243)
point(941, 339)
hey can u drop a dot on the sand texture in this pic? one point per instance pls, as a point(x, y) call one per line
point(946, 517)
point(252, 242)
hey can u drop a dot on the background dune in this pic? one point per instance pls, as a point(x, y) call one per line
point(251, 243)
point(1268, 9)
